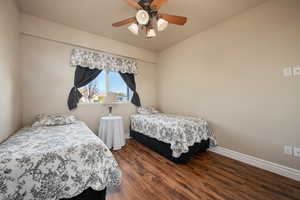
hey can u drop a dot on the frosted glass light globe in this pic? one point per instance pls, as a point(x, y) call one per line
point(134, 28)
point(151, 33)
point(162, 24)
point(142, 17)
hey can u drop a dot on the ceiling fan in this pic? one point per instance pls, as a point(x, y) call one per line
point(147, 15)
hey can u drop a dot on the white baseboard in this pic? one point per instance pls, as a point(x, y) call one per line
point(127, 135)
point(257, 162)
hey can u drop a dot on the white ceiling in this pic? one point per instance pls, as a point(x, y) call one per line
point(96, 16)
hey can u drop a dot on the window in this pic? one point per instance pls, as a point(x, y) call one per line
point(106, 81)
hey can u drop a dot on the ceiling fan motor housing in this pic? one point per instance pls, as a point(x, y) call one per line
point(152, 14)
point(144, 3)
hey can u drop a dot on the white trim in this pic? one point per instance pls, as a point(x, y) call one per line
point(127, 135)
point(96, 103)
point(257, 162)
point(106, 77)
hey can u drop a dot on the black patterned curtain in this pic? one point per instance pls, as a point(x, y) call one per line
point(130, 81)
point(83, 76)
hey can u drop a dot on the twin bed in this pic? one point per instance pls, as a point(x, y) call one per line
point(60, 158)
point(177, 138)
point(56, 162)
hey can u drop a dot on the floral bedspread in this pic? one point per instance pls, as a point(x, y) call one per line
point(179, 131)
point(49, 163)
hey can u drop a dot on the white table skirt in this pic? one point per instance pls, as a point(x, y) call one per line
point(111, 132)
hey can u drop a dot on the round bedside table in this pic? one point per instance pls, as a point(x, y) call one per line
point(111, 132)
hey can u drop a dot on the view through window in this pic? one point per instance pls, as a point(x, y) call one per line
point(106, 81)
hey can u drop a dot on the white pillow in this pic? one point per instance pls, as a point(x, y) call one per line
point(154, 110)
point(143, 110)
point(53, 120)
point(147, 110)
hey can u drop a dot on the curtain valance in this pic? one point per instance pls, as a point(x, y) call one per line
point(98, 60)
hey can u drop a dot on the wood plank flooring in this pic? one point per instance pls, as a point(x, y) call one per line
point(208, 176)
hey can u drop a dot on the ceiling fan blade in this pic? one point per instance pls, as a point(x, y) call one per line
point(124, 22)
point(156, 4)
point(178, 20)
point(133, 4)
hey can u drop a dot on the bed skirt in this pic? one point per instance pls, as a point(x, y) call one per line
point(164, 149)
point(90, 194)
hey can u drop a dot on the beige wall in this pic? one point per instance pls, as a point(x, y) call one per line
point(231, 75)
point(47, 79)
point(10, 111)
point(46, 29)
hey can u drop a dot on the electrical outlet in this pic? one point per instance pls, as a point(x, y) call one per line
point(296, 71)
point(288, 71)
point(296, 152)
point(288, 150)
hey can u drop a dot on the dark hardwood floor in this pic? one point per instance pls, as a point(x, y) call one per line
point(149, 176)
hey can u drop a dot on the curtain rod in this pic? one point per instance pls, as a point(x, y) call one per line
point(80, 46)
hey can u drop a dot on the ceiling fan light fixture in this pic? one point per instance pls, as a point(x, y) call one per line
point(142, 17)
point(162, 24)
point(151, 33)
point(134, 28)
point(148, 19)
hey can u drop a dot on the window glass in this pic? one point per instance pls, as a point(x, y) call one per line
point(106, 81)
point(118, 86)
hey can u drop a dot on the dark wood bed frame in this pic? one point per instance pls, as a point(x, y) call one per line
point(90, 194)
point(165, 150)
